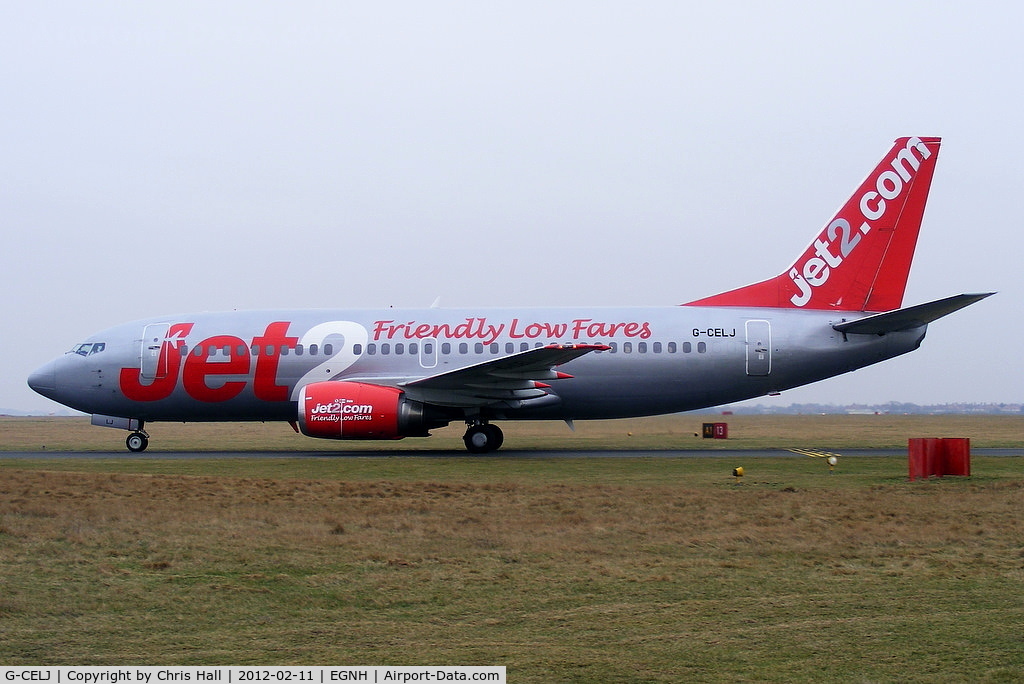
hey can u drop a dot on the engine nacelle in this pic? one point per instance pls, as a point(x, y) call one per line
point(356, 410)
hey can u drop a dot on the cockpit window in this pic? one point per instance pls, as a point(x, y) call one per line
point(89, 348)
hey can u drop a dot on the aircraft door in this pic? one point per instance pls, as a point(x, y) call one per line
point(153, 364)
point(759, 347)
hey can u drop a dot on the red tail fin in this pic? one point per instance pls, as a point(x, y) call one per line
point(860, 260)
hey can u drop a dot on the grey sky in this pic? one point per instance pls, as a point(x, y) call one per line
point(171, 157)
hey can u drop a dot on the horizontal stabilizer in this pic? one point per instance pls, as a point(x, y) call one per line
point(911, 317)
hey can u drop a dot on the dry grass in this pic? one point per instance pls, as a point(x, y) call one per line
point(563, 570)
point(617, 569)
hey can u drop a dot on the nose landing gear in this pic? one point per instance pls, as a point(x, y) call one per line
point(481, 438)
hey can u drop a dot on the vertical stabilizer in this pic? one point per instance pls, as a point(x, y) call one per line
point(861, 259)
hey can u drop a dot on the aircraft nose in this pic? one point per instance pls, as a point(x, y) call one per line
point(44, 379)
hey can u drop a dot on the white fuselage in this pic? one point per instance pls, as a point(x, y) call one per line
point(250, 365)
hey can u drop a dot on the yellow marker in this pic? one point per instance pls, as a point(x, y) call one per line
point(814, 454)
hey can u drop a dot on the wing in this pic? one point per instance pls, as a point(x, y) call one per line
point(511, 381)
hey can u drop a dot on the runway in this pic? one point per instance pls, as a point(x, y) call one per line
point(510, 454)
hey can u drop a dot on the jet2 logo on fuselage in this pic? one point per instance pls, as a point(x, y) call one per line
point(216, 378)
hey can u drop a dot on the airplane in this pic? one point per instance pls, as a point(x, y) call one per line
point(393, 373)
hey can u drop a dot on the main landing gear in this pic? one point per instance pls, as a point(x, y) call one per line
point(137, 441)
point(481, 438)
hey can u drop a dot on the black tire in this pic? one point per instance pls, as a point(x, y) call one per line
point(136, 442)
point(496, 436)
point(483, 438)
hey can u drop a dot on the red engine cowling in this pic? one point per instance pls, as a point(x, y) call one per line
point(356, 410)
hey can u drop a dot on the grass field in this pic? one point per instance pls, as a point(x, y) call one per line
point(607, 569)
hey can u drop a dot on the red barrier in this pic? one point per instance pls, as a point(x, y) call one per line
point(957, 451)
point(934, 457)
point(922, 455)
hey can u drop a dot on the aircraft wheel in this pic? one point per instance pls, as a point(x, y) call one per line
point(137, 442)
point(496, 436)
point(482, 438)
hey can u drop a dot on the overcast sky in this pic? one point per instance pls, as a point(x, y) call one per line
point(171, 157)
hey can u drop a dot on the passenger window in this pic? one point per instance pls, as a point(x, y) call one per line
point(525, 346)
point(702, 347)
point(399, 348)
point(242, 350)
point(385, 349)
point(687, 347)
point(371, 349)
point(463, 348)
point(656, 347)
point(613, 347)
point(198, 351)
point(478, 348)
point(627, 347)
point(268, 350)
point(671, 347)
point(313, 350)
point(446, 348)
point(357, 349)
point(510, 348)
point(428, 348)
point(328, 349)
point(494, 348)
point(641, 347)
point(413, 348)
